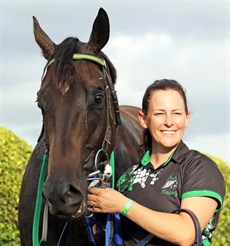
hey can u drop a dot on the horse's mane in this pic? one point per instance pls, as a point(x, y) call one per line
point(64, 69)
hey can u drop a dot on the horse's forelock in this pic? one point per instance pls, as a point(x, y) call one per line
point(63, 66)
point(64, 69)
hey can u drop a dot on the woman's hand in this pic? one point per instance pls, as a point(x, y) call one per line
point(105, 200)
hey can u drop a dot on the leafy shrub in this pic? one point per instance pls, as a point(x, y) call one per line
point(221, 234)
point(14, 155)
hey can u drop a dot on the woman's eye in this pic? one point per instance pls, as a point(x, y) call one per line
point(158, 114)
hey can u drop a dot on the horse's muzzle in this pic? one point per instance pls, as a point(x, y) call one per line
point(64, 200)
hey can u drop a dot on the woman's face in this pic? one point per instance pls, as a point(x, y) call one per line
point(166, 119)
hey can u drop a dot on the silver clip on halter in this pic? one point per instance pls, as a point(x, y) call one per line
point(101, 175)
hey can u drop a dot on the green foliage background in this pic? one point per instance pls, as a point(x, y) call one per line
point(221, 234)
point(14, 155)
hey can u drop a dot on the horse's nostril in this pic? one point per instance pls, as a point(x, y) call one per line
point(71, 195)
point(70, 192)
point(72, 189)
point(68, 195)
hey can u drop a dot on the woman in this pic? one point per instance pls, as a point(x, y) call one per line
point(169, 177)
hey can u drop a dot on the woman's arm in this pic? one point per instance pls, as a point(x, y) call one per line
point(176, 228)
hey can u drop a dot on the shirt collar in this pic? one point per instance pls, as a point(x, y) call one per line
point(178, 155)
point(146, 158)
point(181, 152)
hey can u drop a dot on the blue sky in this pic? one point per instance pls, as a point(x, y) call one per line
point(183, 40)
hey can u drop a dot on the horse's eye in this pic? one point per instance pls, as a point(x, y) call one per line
point(99, 98)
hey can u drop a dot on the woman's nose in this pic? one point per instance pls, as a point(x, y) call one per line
point(168, 120)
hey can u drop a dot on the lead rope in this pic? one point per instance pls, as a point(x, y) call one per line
point(109, 229)
point(37, 212)
point(113, 224)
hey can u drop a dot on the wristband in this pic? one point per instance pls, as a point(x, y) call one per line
point(126, 207)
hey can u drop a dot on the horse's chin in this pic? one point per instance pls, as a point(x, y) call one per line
point(78, 214)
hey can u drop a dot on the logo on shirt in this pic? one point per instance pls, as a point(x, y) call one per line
point(142, 174)
point(170, 187)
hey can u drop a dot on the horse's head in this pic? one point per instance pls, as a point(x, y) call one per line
point(78, 105)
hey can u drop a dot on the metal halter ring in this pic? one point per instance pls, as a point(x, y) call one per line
point(97, 156)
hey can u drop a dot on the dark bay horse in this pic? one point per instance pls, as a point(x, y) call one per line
point(81, 118)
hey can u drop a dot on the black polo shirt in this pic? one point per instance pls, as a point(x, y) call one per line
point(187, 173)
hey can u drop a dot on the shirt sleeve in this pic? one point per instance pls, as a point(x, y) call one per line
point(202, 177)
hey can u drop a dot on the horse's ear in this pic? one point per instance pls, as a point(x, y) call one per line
point(100, 32)
point(43, 40)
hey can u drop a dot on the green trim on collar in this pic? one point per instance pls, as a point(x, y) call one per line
point(169, 159)
point(209, 193)
point(146, 158)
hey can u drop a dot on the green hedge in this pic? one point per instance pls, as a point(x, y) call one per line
point(14, 155)
point(221, 234)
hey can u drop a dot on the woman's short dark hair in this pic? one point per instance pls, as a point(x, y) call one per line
point(163, 84)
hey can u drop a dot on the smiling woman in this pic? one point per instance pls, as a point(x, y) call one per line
point(165, 119)
point(169, 177)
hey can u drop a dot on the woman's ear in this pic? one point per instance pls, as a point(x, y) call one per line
point(142, 119)
point(188, 117)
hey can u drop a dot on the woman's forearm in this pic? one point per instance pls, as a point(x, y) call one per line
point(176, 228)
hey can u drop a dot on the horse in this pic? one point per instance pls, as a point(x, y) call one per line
point(82, 125)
